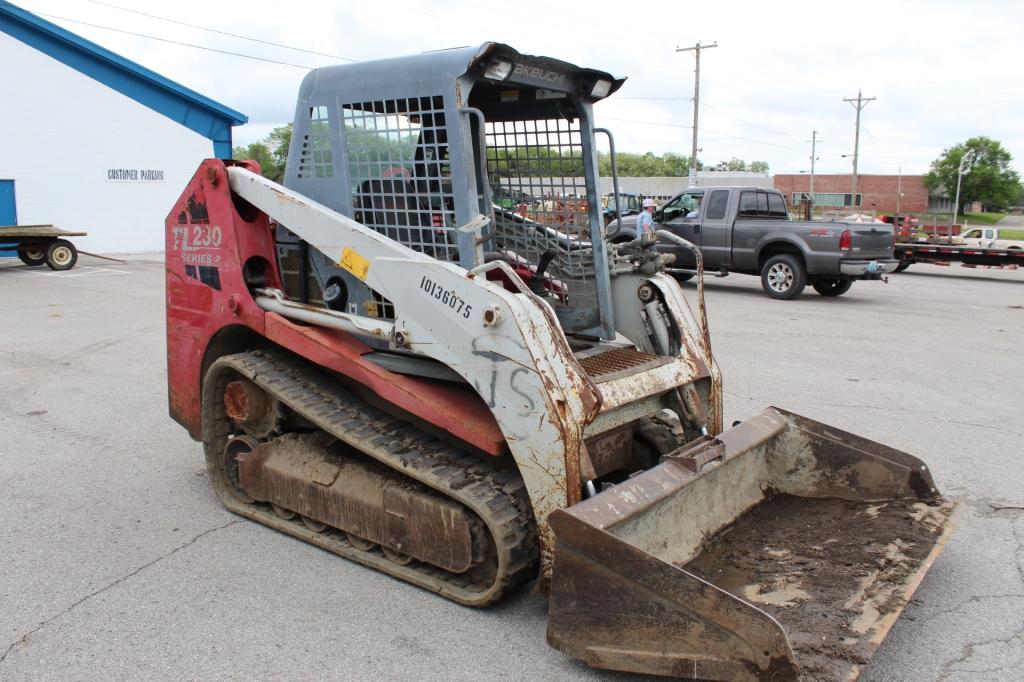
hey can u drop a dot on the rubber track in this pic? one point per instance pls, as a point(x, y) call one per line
point(497, 496)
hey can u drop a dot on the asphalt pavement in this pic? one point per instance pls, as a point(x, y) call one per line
point(118, 562)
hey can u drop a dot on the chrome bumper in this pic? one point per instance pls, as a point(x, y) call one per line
point(868, 269)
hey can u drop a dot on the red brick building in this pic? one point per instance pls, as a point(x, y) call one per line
point(874, 192)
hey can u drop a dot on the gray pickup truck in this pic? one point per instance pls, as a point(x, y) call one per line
point(747, 230)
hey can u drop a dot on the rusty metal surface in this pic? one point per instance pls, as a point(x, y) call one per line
point(610, 451)
point(657, 380)
point(252, 409)
point(313, 476)
point(244, 402)
point(617, 607)
point(696, 348)
point(492, 493)
point(623, 598)
point(620, 362)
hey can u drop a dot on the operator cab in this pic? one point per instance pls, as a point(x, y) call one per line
point(418, 147)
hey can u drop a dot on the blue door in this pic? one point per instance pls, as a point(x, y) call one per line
point(8, 210)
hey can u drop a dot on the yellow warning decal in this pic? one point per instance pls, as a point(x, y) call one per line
point(354, 263)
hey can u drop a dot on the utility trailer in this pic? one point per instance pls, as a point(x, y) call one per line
point(38, 244)
point(909, 253)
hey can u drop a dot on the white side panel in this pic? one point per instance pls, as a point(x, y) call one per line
point(62, 132)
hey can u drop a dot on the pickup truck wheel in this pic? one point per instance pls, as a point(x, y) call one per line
point(783, 276)
point(832, 287)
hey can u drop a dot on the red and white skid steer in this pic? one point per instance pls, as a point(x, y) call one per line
point(381, 361)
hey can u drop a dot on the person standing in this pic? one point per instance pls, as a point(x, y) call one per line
point(645, 221)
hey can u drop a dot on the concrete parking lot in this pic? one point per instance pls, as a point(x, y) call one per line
point(117, 561)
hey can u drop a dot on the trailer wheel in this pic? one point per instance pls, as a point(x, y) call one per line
point(904, 264)
point(32, 255)
point(783, 276)
point(61, 255)
point(832, 287)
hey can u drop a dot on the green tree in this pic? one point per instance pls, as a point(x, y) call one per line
point(646, 165)
point(271, 152)
point(740, 165)
point(987, 175)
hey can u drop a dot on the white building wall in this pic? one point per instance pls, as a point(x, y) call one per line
point(61, 133)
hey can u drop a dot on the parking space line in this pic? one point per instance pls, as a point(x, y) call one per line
point(81, 271)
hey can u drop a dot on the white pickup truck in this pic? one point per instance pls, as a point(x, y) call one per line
point(990, 238)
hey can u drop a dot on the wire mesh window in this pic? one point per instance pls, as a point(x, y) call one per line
point(536, 170)
point(316, 159)
point(399, 172)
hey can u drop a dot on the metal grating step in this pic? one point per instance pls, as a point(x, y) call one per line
point(619, 363)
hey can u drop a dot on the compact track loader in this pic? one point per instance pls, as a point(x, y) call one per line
point(382, 361)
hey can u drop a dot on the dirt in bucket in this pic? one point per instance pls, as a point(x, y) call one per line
point(828, 570)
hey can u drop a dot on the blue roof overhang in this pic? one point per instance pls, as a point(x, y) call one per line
point(164, 96)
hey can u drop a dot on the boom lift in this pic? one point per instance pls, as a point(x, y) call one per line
point(380, 361)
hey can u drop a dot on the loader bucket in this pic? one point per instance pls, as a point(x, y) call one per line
point(781, 549)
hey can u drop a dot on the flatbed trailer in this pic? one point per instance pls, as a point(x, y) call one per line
point(909, 253)
point(38, 244)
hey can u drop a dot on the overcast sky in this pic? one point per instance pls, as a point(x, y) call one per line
point(941, 71)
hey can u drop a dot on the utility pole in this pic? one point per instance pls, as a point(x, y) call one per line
point(858, 104)
point(814, 144)
point(959, 176)
point(696, 105)
point(899, 193)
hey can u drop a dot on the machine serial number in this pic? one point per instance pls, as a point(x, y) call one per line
point(446, 297)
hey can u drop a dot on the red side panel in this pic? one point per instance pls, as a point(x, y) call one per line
point(450, 407)
point(208, 242)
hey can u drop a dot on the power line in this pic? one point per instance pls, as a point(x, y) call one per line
point(174, 42)
point(710, 132)
point(726, 114)
point(658, 99)
point(789, 80)
point(755, 125)
point(223, 33)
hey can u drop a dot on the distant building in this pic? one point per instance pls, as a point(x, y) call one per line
point(727, 178)
point(659, 188)
point(875, 193)
point(94, 142)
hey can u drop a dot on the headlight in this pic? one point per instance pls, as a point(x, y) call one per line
point(600, 89)
point(498, 70)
